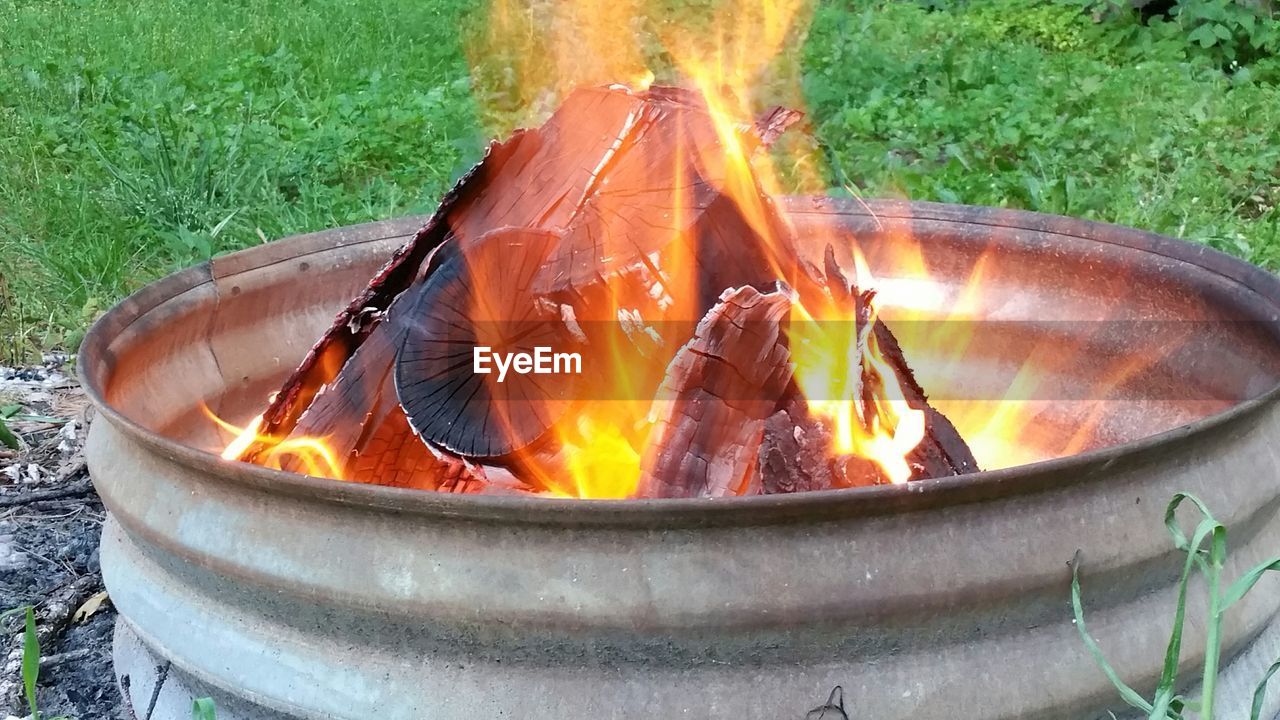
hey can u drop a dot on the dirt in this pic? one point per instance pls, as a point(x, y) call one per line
point(49, 547)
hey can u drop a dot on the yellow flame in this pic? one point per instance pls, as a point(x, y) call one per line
point(742, 55)
point(310, 455)
point(605, 465)
point(829, 369)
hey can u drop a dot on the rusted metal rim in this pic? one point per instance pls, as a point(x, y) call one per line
point(1091, 466)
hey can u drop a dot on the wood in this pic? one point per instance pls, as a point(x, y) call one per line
point(621, 178)
point(481, 299)
point(795, 453)
point(942, 452)
point(619, 195)
point(718, 391)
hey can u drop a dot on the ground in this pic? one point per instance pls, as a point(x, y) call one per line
point(50, 520)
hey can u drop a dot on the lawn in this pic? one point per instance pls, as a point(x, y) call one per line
point(136, 138)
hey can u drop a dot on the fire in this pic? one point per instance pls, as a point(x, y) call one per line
point(309, 455)
point(831, 358)
point(741, 56)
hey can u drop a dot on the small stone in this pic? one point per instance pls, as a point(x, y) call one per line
point(10, 558)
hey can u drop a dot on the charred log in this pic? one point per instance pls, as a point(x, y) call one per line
point(622, 208)
point(618, 176)
point(718, 391)
point(477, 301)
point(795, 452)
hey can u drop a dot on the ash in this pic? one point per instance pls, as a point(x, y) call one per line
point(50, 522)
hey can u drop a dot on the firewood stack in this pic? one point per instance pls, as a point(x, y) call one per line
point(619, 226)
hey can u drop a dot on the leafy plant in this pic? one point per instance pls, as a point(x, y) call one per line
point(1231, 32)
point(7, 438)
point(1206, 551)
point(1049, 25)
point(188, 189)
point(30, 661)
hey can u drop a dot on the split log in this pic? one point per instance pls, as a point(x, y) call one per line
point(481, 299)
point(619, 177)
point(942, 452)
point(614, 184)
point(718, 391)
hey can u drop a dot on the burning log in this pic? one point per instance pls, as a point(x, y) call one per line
point(619, 176)
point(717, 393)
point(480, 300)
point(624, 207)
point(795, 451)
point(942, 451)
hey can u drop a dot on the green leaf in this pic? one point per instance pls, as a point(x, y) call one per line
point(1203, 35)
point(1246, 582)
point(7, 438)
point(1260, 694)
point(1166, 690)
point(203, 709)
point(30, 661)
point(1129, 695)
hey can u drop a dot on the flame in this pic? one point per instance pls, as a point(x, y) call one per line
point(742, 55)
point(309, 455)
point(728, 66)
point(832, 354)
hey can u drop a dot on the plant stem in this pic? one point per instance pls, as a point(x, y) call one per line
point(1213, 639)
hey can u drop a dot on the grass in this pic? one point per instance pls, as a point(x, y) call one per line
point(1013, 103)
point(201, 708)
point(135, 139)
point(138, 138)
point(30, 667)
point(1206, 552)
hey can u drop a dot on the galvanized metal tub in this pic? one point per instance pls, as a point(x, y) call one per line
point(288, 596)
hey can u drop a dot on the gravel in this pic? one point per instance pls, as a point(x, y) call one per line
point(48, 544)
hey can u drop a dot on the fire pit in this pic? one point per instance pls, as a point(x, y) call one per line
point(290, 596)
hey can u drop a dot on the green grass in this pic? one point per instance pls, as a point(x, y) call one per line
point(137, 138)
point(1012, 103)
point(30, 667)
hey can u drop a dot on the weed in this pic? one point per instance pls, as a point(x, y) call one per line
point(30, 668)
point(1009, 103)
point(1206, 551)
point(7, 438)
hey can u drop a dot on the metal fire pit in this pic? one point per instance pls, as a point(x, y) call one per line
point(288, 596)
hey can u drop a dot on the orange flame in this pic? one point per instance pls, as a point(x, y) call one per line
point(742, 56)
point(309, 455)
